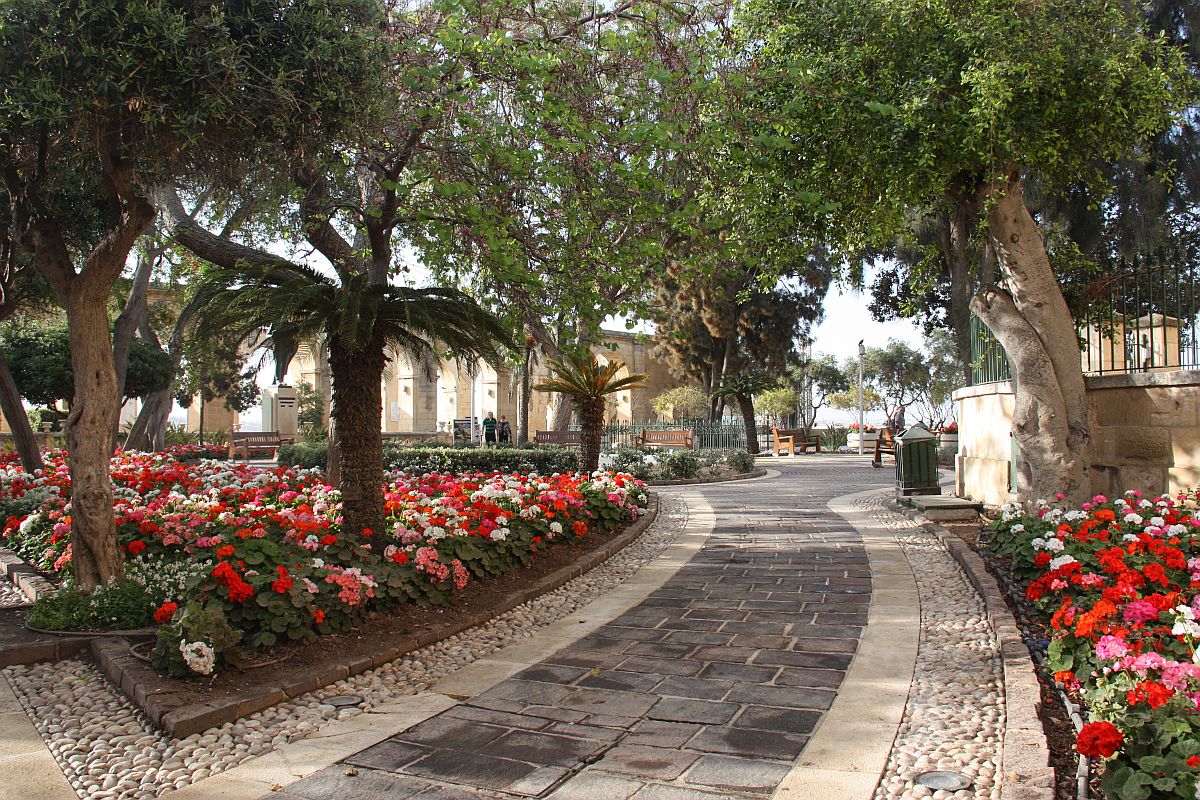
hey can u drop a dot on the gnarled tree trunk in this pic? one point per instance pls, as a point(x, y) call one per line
point(357, 411)
point(1031, 320)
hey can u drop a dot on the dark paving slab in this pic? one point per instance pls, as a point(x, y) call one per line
point(709, 688)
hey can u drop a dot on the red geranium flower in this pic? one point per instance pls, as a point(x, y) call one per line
point(136, 546)
point(225, 551)
point(400, 557)
point(165, 612)
point(1193, 761)
point(1099, 739)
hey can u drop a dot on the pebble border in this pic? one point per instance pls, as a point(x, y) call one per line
point(109, 751)
point(954, 717)
point(1025, 756)
point(11, 595)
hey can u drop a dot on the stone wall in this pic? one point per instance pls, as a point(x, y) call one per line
point(1145, 435)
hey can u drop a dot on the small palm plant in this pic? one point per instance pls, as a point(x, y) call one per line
point(587, 381)
point(360, 322)
point(742, 387)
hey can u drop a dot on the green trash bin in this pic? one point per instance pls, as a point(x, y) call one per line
point(916, 462)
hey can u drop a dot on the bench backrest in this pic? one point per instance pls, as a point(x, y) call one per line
point(558, 437)
point(255, 437)
point(670, 436)
point(793, 432)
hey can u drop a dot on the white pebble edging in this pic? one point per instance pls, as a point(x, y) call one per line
point(109, 751)
point(954, 718)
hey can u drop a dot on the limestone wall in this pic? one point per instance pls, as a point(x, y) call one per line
point(1145, 434)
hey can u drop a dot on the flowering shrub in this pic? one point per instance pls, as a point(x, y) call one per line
point(853, 427)
point(196, 452)
point(1119, 581)
point(950, 428)
point(246, 556)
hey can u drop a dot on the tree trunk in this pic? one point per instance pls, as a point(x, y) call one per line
point(18, 420)
point(358, 417)
point(746, 408)
point(150, 427)
point(563, 410)
point(1032, 322)
point(591, 417)
point(958, 266)
point(136, 312)
point(525, 390)
point(95, 555)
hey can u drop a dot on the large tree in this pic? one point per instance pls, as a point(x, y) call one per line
point(103, 100)
point(872, 108)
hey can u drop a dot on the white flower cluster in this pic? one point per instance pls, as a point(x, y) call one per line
point(1050, 544)
point(1185, 622)
point(199, 657)
point(1061, 561)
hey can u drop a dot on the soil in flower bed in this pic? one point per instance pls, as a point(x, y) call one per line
point(286, 664)
point(1056, 722)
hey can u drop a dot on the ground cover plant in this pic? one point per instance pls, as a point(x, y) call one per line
point(429, 458)
point(1119, 583)
point(227, 557)
point(668, 465)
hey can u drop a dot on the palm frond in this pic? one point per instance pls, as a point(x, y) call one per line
point(583, 377)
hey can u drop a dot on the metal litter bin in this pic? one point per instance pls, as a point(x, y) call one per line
point(916, 462)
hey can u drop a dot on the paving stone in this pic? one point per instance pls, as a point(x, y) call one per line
point(661, 666)
point(738, 774)
point(390, 754)
point(456, 734)
point(680, 709)
point(659, 792)
point(484, 771)
point(599, 701)
point(791, 658)
point(660, 733)
point(551, 673)
point(785, 720)
point(652, 763)
point(543, 748)
point(366, 784)
point(701, 689)
point(617, 679)
point(815, 678)
point(748, 742)
point(590, 785)
point(502, 718)
point(739, 672)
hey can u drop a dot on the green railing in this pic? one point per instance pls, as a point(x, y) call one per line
point(1134, 319)
point(708, 435)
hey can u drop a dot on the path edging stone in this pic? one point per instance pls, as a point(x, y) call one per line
point(743, 476)
point(1025, 768)
point(132, 676)
point(26, 578)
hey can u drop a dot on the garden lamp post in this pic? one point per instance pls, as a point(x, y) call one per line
point(861, 411)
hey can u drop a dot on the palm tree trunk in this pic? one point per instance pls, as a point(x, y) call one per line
point(591, 418)
point(746, 407)
point(357, 418)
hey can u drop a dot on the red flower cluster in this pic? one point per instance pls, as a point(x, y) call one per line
point(225, 575)
point(283, 583)
point(1099, 740)
point(136, 547)
point(165, 612)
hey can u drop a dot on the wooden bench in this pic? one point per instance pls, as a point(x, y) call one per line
point(885, 445)
point(672, 437)
point(559, 438)
point(794, 441)
point(245, 441)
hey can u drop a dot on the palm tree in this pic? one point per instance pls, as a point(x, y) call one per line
point(588, 382)
point(358, 322)
point(742, 387)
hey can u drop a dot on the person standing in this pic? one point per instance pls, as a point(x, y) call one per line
point(898, 421)
point(489, 429)
point(504, 430)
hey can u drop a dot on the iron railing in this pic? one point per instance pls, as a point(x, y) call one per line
point(707, 435)
point(1135, 319)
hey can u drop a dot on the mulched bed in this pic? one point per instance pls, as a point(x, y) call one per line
point(1056, 722)
point(286, 664)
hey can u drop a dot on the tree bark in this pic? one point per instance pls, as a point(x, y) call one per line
point(746, 408)
point(591, 418)
point(525, 390)
point(136, 312)
point(1033, 323)
point(18, 421)
point(357, 411)
point(959, 268)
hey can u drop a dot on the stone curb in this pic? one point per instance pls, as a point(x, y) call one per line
point(1025, 768)
point(133, 676)
point(744, 476)
point(27, 579)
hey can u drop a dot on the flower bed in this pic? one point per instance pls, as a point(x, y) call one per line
point(232, 557)
point(1118, 583)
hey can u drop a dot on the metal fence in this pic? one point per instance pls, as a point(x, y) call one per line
point(1135, 319)
point(708, 435)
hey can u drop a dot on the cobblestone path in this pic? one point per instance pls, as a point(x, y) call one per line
point(707, 689)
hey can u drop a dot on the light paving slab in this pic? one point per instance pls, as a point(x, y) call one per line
point(27, 769)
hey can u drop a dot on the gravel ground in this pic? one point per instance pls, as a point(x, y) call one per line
point(10, 595)
point(954, 718)
point(107, 749)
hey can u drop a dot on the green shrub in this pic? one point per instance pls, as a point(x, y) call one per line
point(632, 460)
point(739, 461)
point(419, 460)
point(303, 454)
point(679, 465)
point(837, 436)
point(125, 605)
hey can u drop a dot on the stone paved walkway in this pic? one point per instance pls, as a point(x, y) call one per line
point(707, 689)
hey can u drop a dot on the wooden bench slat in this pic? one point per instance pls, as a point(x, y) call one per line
point(795, 439)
